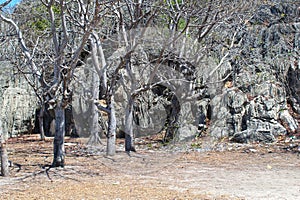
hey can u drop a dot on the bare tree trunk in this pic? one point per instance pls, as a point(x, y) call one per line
point(41, 121)
point(59, 148)
point(97, 51)
point(103, 77)
point(4, 160)
point(100, 76)
point(3, 154)
point(112, 125)
point(129, 137)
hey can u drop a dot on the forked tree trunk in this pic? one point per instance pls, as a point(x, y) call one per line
point(112, 125)
point(129, 137)
point(58, 144)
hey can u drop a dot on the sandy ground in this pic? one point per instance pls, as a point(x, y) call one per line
point(235, 172)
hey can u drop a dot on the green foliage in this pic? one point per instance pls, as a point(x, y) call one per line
point(56, 10)
point(37, 20)
point(167, 20)
point(196, 145)
point(181, 24)
point(40, 24)
point(282, 15)
point(173, 2)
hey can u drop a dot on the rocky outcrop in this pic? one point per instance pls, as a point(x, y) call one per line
point(80, 113)
point(17, 111)
point(247, 96)
point(168, 107)
point(264, 79)
point(237, 114)
point(18, 102)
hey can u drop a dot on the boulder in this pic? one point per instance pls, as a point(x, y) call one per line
point(227, 113)
point(186, 133)
point(253, 136)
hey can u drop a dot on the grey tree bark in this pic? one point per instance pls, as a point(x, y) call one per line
point(100, 66)
point(41, 121)
point(64, 74)
point(58, 143)
point(111, 135)
point(99, 78)
point(129, 137)
point(4, 160)
point(3, 154)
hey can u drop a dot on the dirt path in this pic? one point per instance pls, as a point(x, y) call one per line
point(151, 174)
point(224, 174)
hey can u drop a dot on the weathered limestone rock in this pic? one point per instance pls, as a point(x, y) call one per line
point(17, 111)
point(5, 78)
point(227, 112)
point(80, 115)
point(286, 118)
point(187, 121)
point(294, 85)
point(17, 102)
point(163, 107)
point(253, 135)
point(246, 119)
point(265, 84)
point(187, 132)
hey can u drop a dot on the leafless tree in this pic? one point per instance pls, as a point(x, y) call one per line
point(189, 24)
point(70, 32)
point(3, 151)
point(192, 31)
